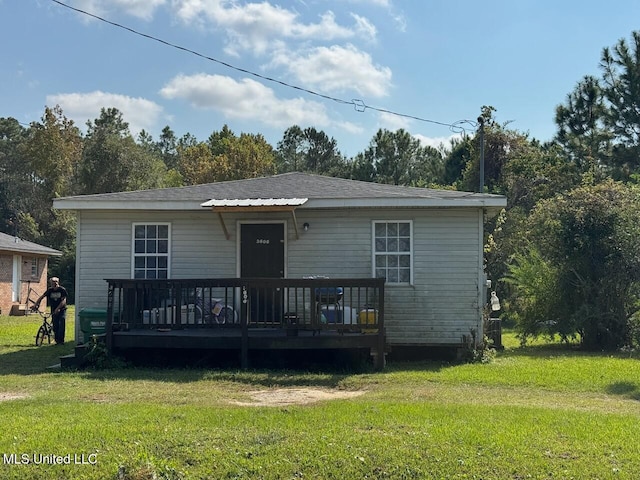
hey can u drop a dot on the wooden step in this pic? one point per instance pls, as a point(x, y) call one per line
point(75, 359)
point(18, 310)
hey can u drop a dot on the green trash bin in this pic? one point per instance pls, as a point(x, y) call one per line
point(93, 321)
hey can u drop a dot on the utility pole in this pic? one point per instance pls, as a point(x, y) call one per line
point(481, 122)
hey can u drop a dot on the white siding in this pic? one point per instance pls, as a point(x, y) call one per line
point(438, 308)
point(442, 303)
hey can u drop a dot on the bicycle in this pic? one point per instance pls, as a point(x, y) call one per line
point(45, 330)
point(214, 310)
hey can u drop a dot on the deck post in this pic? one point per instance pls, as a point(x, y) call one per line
point(177, 317)
point(244, 325)
point(109, 325)
point(379, 357)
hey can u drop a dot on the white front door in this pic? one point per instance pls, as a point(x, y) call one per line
point(17, 274)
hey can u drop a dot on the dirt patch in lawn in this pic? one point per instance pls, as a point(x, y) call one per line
point(283, 397)
point(6, 396)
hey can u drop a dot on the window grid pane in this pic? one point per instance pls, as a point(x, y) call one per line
point(392, 254)
point(151, 251)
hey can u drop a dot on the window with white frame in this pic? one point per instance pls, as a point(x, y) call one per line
point(34, 267)
point(392, 250)
point(151, 250)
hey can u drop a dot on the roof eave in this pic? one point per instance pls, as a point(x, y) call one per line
point(468, 202)
point(317, 203)
point(89, 204)
point(44, 253)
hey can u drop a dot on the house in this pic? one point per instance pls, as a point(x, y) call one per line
point(23, 272)
point(294, 227)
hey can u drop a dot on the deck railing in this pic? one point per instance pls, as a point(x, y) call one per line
point(311, 304)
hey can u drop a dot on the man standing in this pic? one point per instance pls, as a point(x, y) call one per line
point(57, 299)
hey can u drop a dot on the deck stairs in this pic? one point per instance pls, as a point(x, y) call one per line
point(75, 359)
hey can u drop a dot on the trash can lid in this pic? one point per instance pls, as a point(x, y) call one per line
point(93, 312)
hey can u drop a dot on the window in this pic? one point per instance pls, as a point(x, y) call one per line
point(34, 267)
point(151, 250)
point(392, 252)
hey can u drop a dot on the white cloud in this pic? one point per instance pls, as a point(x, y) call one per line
point(397, 17)
point(393, 122)
point(438, 142)
point(376, 3)
point(380, 3)
point(143, 9)
point(138, 112)
point(258, 27)
point(245, 99)
point(337, 69)
point(365, 27)
point(350, 127)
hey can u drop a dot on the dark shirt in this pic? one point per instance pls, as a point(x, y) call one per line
point(55, 296)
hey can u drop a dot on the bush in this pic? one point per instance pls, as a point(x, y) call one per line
point(581, 272)
point(99, 357)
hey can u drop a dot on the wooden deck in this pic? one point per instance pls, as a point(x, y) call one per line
point(247, 314)
point(228, 339)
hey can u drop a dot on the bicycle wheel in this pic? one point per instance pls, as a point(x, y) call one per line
point(227, 315)
point(43, 332)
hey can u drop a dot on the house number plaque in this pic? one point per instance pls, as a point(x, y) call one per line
point(262, 241)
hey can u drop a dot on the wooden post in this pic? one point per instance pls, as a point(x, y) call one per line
point(244, 323)
point(379, 357)
point(109, 325)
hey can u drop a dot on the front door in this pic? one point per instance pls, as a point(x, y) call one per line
point(262, 256)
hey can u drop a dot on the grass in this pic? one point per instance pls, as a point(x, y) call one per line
point(540, 412)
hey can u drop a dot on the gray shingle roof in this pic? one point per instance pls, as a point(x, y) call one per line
point(9, 243)
point(286, 185)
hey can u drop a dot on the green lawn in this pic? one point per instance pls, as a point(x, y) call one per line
point(542, 412)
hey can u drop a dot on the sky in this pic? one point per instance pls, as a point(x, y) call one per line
point(346, 67)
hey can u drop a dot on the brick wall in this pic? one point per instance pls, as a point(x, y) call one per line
point(33, 274)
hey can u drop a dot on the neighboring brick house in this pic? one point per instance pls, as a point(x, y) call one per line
point(23, 265)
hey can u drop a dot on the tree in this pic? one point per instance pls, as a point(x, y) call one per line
point(14, 174)
point(247, 156)
point(582, 131)
point(398, 158)
point(168, 147)
point(501, 145)
point(621, 80)
point(53, 149)
point(145, 139)
point(290, 153)
point(589, 237)
point(220, 141)
point(196, 165)
point(536, 173)
point(112, 161)
point(362, 168)
point(457, 159)
point(226, 157)
point(309, 150)
point(599, 124)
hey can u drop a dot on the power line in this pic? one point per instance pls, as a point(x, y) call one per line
point(357, 104)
